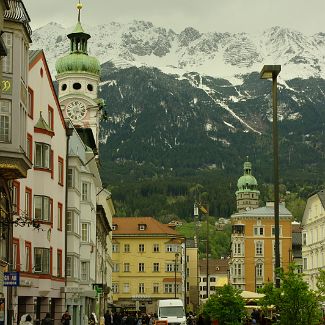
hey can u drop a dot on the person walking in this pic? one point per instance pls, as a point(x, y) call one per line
point(92, 319)
point(28, 320)
point(107, 318)
point(65, 320)
point(47, 320)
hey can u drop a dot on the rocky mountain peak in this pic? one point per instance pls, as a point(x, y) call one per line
point(218, 54)
point(188, 35)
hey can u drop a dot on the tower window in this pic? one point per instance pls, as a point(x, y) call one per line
point(64, 87)
point(90, 87)
point(77, 85)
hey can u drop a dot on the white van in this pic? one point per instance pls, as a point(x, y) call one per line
point(172, 310)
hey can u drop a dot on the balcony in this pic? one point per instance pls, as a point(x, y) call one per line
point(238, 230)
point(18, 13)
point(13, 165)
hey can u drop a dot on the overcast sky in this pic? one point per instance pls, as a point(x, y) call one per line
point(306, 16)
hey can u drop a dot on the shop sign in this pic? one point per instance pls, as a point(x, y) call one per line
point(11, 279)
point(141, 298)
point(72, 290)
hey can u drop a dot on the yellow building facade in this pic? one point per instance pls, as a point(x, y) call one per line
point(192, 277)
point(252, 257)
point(148, 263)
point(252, 240)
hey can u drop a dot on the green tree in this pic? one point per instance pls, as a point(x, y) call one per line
point(226, 305)
point(295, 205)
point(294, 301)
point(321, 285)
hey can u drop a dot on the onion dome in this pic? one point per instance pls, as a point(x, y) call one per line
point(78, 59)
point(247, 181)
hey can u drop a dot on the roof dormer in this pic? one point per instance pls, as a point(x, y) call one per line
point(142, 226)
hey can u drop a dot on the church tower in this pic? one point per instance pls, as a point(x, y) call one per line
point(247, 195)
point(78, 77)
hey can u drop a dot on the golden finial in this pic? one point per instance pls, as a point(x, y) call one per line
point(79, 7)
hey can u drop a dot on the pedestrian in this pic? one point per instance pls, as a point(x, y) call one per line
point(92, 319)
point(22, 319)
point(65, 319)
point(151, 320)
point(47, 320)
point(255, 316)
point(200, 320)
point(190, 318)
point(124, 318)
point(108, 318)
point(28, 320)
point(117, 318)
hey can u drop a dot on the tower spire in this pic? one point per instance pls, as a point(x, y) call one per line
point(79, 7)
point(247, 194)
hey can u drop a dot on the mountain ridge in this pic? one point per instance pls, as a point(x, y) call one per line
point(185, 110)
point(224, 55)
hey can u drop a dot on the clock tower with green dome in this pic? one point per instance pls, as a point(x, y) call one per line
point(247, 195)
point(78, 76)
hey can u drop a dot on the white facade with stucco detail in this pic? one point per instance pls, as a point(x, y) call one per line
point(313, 238)
point(83, 182)
point(38, 254)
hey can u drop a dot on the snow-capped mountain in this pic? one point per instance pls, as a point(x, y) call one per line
point(182, 103)
point(222, 55)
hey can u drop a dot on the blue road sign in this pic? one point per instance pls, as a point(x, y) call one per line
point(11, 279)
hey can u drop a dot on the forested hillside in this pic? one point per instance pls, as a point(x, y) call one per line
point(164, 136)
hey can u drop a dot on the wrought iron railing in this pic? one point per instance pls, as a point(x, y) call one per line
point(18, 13)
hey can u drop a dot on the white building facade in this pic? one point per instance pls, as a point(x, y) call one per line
point(104, 262)
point(313, 237)
point(82, 181)
point(39, 202)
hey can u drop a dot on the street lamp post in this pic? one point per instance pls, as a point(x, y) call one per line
point(207, 256)
point(197, 207)
point(271, 72)
point(175, 284)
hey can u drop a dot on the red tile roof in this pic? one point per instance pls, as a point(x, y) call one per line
point(130, 226)
point(216, 266)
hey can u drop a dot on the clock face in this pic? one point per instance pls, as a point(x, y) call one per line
point(76, 110)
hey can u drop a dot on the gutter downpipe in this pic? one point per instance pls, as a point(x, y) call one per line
point(69, 132)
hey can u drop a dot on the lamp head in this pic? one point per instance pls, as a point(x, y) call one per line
point(270, 71)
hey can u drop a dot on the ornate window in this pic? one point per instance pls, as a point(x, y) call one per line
point(141, 267)
point(43, 208)
point(85, 267)
point(5, 121)
point(42, 155)
point(42, 260)
point(155, 267)
point(259, 248)
point(85, 232)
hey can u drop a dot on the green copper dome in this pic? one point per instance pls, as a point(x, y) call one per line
point(78, 62)
point(247, 181)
